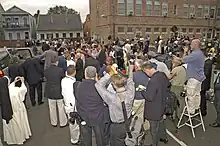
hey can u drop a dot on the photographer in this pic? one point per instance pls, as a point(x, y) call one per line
point(125, 91)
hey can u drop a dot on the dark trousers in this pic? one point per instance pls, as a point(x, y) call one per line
point(86, 135)
point(117, 134)
point(107, 132)
point(158, 131)
point(203, 102)
point(217, 107)
point(32, 88)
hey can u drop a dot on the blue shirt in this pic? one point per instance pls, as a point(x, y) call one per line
point(195, 65)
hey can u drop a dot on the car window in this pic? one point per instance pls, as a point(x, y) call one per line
point(4, 60)
point(23, 54)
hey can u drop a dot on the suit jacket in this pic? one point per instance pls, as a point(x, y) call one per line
point(6, 108)
point(102, 57)
point(155, 95)
point(62, 63)
point(48, 55)
point(53, 75)
point(90, 105)
point(33, 70)
point(93, 62)
point(14, 70)
point(79, 70)
point(208, 74)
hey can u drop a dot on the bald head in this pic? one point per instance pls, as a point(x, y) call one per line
point(196, 44)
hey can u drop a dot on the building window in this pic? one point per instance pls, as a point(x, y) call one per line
point(57, 35)
point(77, 35)
point(164, 29)
point(25, 21)
point(165, 9)
point(121, 7)
point(26, 35)
point(18, 36)
point(209, 35)
point(130, 30)
point(190, 30)
point(10, 36)
point(156, 29)
point(212, 12)
point(42, 36)
point(130, 7)
point(206, 10)
point(148, 29)
point(175, 10)
point(149, 7)
point(71, 35)
point(183, 30)
point(198, 30)
point(138, 7)
point(186, 10)
point(157, 8)
point(200, 11)
point(218, 13)
point(64, 35)
point(192, 9)
point(121, 29)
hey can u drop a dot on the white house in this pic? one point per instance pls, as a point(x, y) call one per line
point(56, 26)
point(18, 24)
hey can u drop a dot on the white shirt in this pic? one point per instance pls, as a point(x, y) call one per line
point(67, 92)
point(70, 62)
point(162, 67)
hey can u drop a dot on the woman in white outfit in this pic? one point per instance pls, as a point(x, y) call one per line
point(18, 129)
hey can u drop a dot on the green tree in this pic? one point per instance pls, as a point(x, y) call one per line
point(61, 10)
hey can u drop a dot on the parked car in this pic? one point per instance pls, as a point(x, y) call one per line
point(6, 55)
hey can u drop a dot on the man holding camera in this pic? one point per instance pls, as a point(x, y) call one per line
point(69, 101)
point(120, 103)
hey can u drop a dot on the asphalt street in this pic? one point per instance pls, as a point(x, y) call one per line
point(43, 134)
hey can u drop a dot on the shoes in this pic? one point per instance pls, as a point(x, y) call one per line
point(63, 126)
point(73, 143)
point(165, 141)
point(33, 104)
point(214, 125)
point(40, 103)
point(54, 125)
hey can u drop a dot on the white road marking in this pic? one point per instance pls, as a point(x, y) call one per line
point(175, 138)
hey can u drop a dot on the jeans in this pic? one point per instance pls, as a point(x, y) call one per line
point(158, 131)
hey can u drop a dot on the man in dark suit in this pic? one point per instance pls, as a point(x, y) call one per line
point(34, 74)
point(206, 84)
point(92, 61)
point(14, 69)
point(92, 110)
point(79, 68)
point(155, 96)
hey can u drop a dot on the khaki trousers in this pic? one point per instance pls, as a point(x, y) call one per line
point(53, 105)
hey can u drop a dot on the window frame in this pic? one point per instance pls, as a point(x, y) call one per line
point(119, 8)
point(149, 3)
point(186, 10)
point(120, 32)
point(214, 13)
point(138, 3)
point(158, 12)
point(165, 7)
point(202, 13)
point(130, 32)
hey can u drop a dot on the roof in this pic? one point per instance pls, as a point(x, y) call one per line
point(16, 10)
point(1, 8)
point(59, 22)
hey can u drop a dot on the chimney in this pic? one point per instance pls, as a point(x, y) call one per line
point(51, 18)
point(66, 18)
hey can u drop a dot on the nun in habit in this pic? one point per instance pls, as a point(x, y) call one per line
point(17, 131)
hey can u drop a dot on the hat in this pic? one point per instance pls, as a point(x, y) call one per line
point(152, 54)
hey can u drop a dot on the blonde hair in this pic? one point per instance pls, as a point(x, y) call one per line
point(118, 80)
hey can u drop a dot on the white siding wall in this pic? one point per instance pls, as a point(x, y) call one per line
point(14, 35)
point(60, 34)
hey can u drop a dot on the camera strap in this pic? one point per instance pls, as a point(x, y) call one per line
point(75, 87)
point(127, 125)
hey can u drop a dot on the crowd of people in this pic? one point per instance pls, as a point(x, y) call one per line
point(119, 90)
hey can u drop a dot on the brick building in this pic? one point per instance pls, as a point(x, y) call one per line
point(128, 18)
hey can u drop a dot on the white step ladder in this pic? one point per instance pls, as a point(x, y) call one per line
point(191, 117)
